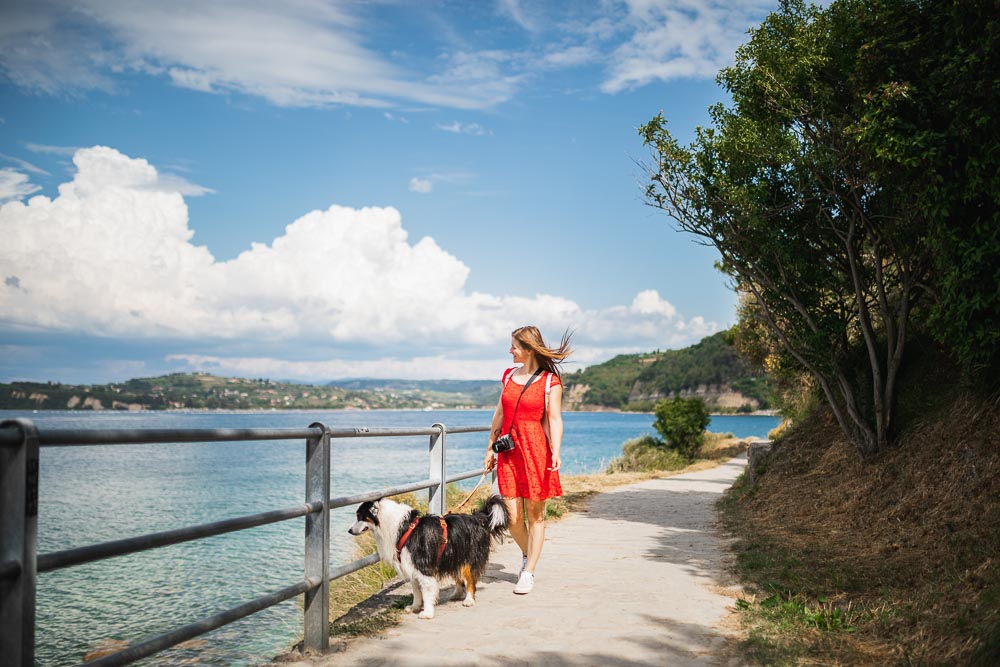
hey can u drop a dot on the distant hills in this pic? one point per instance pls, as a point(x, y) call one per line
point(711, 369)
point(202, 391)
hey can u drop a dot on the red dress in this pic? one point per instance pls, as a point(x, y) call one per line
point(523, 472)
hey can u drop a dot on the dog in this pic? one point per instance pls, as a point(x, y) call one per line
point(426, 548)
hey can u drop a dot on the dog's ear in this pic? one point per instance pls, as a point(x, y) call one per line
point(374, 510)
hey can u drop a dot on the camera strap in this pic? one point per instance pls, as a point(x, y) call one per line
point(527, 384)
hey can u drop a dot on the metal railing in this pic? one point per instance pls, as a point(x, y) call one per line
point(20, 441)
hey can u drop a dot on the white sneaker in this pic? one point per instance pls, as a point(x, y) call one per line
point(525, 583)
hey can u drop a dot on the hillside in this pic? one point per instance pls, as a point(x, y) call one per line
point(886, 563)
point(202, 391)
point(711, 369)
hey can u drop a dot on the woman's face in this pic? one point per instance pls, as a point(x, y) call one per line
point(521, 354)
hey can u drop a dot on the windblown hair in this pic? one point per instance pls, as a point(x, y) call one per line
point(548, 358)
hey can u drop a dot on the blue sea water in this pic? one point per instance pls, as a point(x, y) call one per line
point(95, 494)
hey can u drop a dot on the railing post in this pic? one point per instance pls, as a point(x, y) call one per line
point(18, 539)
point(317, 547)
point(436, 494)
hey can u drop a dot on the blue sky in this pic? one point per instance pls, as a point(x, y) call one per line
point(319, 189)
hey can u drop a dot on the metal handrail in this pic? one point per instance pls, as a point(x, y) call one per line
point(20, 441)
point(69, 557)
point(192, 630)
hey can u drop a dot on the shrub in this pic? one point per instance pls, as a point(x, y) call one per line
point(646, 454)
point(682, 423)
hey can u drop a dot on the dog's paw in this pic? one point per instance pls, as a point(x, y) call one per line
point(414, 608)
point(459, 594)
point(469, 602)
point(426, 613)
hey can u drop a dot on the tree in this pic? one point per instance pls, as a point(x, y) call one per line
point(682, 423)
point(810, 186)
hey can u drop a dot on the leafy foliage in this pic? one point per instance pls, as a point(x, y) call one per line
point(682, 423)
point(829, 188)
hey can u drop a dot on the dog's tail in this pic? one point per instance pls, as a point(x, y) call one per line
point(494, 514)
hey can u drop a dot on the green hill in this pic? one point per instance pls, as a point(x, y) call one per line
point(712, 369)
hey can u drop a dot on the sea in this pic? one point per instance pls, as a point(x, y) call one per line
point(93, 494)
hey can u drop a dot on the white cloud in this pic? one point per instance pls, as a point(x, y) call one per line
point(513, 9)
point(648, 302)
point(111, 255)
point(421, 185)
point(173, 183)
point(315, 53)
point(671, 39)
point(24, 164)
point(67, 151)
point(571, 56)
point(462, 128)
point(15, 185)
point(302, 54)
point(437, 367)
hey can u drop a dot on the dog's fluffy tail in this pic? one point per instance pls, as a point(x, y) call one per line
point(495, 515)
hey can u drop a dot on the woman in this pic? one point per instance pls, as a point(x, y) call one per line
point(530, 410)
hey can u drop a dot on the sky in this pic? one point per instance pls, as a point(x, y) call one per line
point(326, 189)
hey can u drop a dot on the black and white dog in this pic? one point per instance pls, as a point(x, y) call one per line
point(426, 548)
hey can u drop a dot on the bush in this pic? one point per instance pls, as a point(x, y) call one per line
point(682, 423)
point(646, 454)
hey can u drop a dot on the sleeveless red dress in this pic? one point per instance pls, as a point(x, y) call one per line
point(523, 472)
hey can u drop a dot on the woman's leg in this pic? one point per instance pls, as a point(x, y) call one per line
point(515, 507)
point(536, 532)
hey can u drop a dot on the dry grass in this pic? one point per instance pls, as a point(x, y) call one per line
point(893, 562)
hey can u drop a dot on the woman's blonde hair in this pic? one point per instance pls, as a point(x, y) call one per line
point(548, 357)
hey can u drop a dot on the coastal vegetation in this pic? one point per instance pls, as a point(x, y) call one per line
point(712, 369)
point(850, 187)
point(711, 366)
point(202, 391)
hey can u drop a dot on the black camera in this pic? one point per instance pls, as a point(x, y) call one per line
point(504, 443)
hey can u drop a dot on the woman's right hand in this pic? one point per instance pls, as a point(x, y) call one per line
point(490, 460)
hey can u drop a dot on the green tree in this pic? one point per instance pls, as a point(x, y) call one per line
point(682, 423)
point(813, 186)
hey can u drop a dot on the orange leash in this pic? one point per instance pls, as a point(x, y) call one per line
point(472, 493)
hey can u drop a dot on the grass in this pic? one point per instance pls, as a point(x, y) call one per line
point(891, 563)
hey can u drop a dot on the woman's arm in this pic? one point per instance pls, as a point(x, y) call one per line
point(495, 426)
point(553, 419)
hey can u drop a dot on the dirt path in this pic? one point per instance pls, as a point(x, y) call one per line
point(633, 580)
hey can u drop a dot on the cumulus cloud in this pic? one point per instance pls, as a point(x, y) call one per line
point(111, 255)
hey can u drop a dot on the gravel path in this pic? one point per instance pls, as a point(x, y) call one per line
point(636, 579)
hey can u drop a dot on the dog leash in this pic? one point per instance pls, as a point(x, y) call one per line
point(444, 525)
point(472, 493)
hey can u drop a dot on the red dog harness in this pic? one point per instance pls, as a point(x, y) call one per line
point(409, 531)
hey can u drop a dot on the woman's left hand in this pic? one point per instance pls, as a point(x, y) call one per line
point(556, 463)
